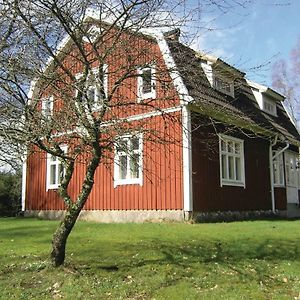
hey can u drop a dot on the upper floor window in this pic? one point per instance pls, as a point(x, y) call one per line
point(269, 106)
point(128, 160)
point(232, 171)
point(92, 34)
point(223, 85)
point(278, 170)
point(55, 170)
point(47, 107)
point(96, 87)
point(146, 83)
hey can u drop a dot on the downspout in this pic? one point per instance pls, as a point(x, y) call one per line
point(187, 162)
point(272, 144)
point(272, 158)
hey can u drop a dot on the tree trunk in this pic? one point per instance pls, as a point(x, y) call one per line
point(60, 237)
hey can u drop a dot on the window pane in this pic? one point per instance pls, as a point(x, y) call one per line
point(91, 93)
point(122, 146)
point(135, 144)
point(134, 166)
point(53, 174)
point(146, 81)
point(281, 174)
point(224, 167)
point(223, 146)
point(122, 167)
point(60, 172)
point(230, 167)
point(237, 148)
point(230, 146)
point(238, 169)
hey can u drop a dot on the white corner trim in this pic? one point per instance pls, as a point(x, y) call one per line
point(170, 63)
point(187, 160)
point(24, 180)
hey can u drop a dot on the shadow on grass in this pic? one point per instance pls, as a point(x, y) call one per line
point(131, 256)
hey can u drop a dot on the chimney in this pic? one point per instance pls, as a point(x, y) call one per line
point(173, 35)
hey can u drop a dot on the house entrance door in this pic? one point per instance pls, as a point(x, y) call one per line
point(291, 177)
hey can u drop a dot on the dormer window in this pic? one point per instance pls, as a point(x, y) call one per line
point(96, 87)
point(269, 106)
point(223, 85)
point(146, 83)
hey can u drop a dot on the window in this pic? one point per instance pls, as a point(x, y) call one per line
point(223, 85)
point(96, 87)
point(92, 34)
point(47, 107)
point(231, 161)
point(146, 83)
point(55, 170)
point(128, 160)
point(278, 170)
point(269, 106)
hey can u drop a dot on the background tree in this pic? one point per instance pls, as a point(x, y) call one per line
point(10, 191)
point(286, 79)
point(31, 51)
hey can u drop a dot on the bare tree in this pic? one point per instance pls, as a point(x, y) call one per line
point(286, 79)
point(67, 50)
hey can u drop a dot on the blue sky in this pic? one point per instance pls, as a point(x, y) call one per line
point(251, 36)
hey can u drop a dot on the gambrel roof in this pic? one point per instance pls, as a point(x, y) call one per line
point(242, 110)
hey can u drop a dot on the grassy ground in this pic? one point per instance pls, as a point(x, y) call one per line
point(241, 260)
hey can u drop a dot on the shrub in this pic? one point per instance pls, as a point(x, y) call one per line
point(10, 194)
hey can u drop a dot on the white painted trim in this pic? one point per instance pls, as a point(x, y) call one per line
point(187, 160)
point(24, 179)
point(133, 118)
point(170, 63)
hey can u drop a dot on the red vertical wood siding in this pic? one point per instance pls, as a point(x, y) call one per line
point(280, 198)
point(162, 179)
point(208, 195)
point(162, 162)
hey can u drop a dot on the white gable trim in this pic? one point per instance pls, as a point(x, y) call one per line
point(170, 63)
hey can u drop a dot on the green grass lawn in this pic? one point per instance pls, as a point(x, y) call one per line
point(240, 260)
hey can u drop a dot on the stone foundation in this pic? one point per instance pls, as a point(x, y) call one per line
point(139, 216)
point(114, 216)
point(230, 216)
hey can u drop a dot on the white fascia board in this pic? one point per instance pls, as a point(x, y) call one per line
point(170, 63)
point(266, 90)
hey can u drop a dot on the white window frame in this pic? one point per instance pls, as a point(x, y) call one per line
point(227, 154)
point(47, 107)
point(129, 154)
point(149, 95)
point(278, 170)
point(57, 163)
point(92, 34)
point(269, 106)
point(97, 99)
point(219, 87)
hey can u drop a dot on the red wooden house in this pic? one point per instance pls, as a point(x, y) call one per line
point(232, 148)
